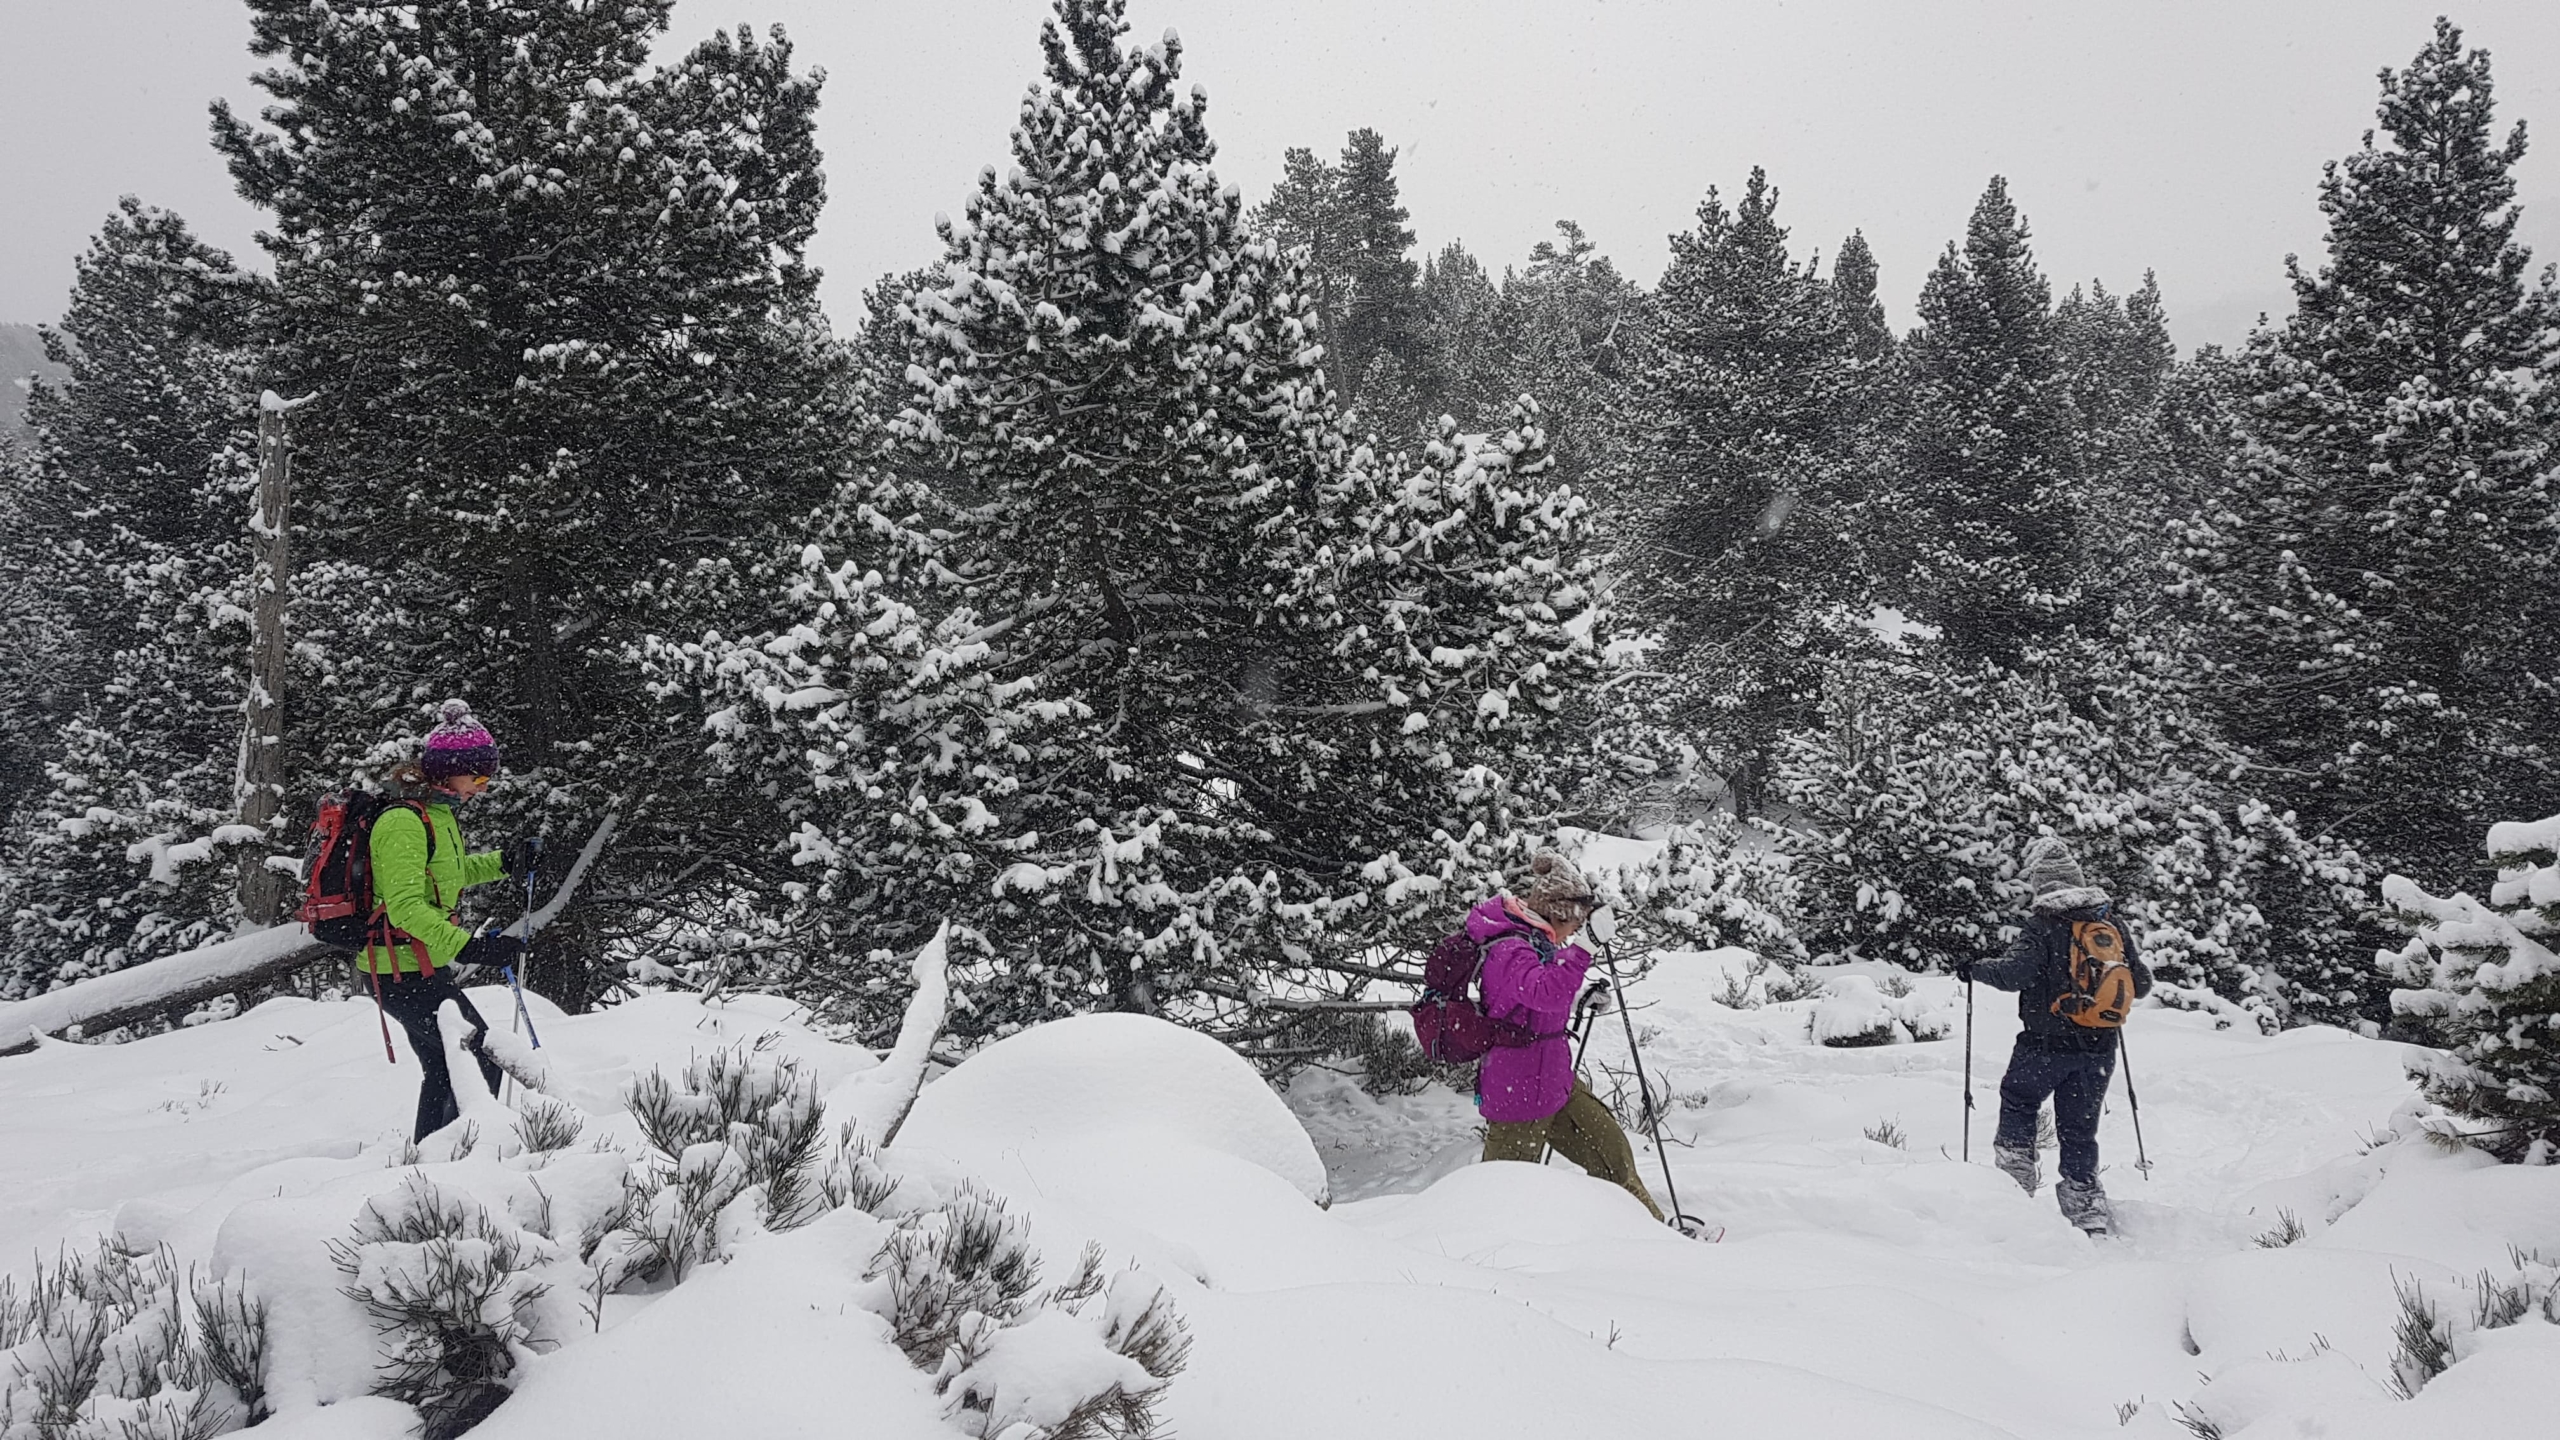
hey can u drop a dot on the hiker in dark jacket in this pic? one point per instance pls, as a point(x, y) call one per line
point(419, 873)
point(1528, 1094)
point(2056, 1056)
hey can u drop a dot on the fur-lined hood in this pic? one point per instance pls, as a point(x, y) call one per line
point(2068, 898)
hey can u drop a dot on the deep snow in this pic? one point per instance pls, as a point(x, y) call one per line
point(1859, 1288)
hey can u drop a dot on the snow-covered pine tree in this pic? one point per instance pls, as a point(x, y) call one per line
point(1853, 288)
point(1347, 223)
point(1460, 368)
point(134, 541)
point(2483, 981)
point(1745, 492)
point(1475, 622)
point(1123, 382)
point(1982, 511)
point(1916, 795)
point(1184, 704)
point(1304, 215)
point(2381, 570)
point(1373, 343)
point(1564, 331)
point(573, 382)
point(2116, 358)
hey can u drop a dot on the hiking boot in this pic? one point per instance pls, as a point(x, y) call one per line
point(2019, 1165)
point(2084, 1203)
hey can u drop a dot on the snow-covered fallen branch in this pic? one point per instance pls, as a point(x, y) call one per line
point(173, 982)
point(185, 980)
point(569, 883)
point(876, 1101)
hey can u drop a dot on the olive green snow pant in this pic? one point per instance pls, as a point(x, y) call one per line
point(1583, 1132)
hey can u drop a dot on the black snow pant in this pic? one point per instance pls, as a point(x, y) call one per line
point(2077, 1081)
point(413, 1001)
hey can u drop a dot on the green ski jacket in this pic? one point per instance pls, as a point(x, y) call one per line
point(418, 894)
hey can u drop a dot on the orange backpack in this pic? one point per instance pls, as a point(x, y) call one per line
point(2099, 992)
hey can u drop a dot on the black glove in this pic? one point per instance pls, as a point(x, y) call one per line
point(1964, 971)
point(521, 856)
point(491, 950)
point(1595, 998)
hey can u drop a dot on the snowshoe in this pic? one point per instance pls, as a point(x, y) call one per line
point(2084, 1204)
point(2019, 1165)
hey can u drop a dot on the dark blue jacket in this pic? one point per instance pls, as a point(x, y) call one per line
point(2038, 968)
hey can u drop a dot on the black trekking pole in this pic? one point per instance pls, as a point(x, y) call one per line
point(1968, 1066)
point(524, 960)
point(2124, 1057)
point(1586, 1010)
point(1686, 1224)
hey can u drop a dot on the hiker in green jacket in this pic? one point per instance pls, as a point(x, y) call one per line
point(419, 873)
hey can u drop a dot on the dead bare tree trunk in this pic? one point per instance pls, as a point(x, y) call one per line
point(263, 891)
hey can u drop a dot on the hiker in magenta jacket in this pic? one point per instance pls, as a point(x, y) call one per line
point(1528, 1094)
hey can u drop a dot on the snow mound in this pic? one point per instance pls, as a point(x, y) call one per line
point(1113, 1075)
point(1853, 1012)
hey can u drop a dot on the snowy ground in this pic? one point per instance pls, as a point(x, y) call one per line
point(1859, 1288)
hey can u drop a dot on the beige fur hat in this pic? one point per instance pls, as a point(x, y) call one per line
point(1553, 881)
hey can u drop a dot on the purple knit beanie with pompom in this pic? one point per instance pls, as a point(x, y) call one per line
point(460, 745)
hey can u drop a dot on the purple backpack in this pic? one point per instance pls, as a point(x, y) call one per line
point(1449, 1019)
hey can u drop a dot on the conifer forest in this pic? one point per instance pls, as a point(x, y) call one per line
point(612, 827)
point(1196, 597)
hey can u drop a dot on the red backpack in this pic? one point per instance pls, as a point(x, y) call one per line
point(1449, 1020)
point(337, 867)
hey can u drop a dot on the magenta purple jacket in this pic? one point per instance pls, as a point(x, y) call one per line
point(1532, 1081)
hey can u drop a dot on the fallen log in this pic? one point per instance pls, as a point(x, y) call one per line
point(173, 982)
point(191, 977)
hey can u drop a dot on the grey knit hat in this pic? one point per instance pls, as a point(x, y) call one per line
point(2049, 865)
point(1552, 881)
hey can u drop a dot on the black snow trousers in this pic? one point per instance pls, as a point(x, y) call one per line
point(2077, 1079)
point(412, 1002)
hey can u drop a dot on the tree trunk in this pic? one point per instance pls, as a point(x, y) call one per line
point(545, 726)
point(263, 891)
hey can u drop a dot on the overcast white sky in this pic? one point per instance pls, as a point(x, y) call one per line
point(2181, 135)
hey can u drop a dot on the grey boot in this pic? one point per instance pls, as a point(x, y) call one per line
point(2084, 1203)
point(2019, 1165)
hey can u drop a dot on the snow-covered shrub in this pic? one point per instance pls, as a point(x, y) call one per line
point(2225, 1013)
point(853, 1175)
point(1068, 1374)
point(1857, 1011)
point(2287, 1230)
point(1921, 1020)
point(2429, 1339)
point(231, 1337)
point(738, 1147)
point(1920, 786)
point(1739, 992)
point(1381, 1047)
point(2483, 979)
point(1854, 1014)
point(109, 1345)
point(963, 1299)
point(1710, 884)
point(1784, 985)
point(545, 1125)
point(674, 1217)
point(451, 1290)
point(763, 1109)
point(969, 1256)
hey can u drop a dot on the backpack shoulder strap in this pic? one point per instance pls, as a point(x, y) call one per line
point(426, 822)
